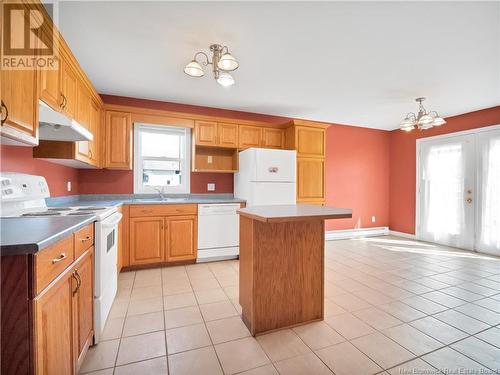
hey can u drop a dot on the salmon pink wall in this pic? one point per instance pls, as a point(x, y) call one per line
point(20, 159)
point(403, 163)
point(104, 181)
point(357, 175)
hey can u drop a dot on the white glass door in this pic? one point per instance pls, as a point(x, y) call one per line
point(488, 197)
point(446, 188)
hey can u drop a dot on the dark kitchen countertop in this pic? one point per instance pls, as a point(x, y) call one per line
point(28, 235)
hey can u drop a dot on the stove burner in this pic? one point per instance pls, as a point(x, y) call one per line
point(59, 209)
point(91, 208)
point(43, 213)
point(79, 213)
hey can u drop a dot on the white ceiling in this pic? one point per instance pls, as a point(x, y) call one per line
point(357, 63)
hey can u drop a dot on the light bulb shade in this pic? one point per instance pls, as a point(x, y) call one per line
point(425, 120)
point(225, 79)
point(407, 124)
point(438, 121)
point(194, 69)
point(227, 62)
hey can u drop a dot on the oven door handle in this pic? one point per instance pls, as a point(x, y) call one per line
point(116, 216)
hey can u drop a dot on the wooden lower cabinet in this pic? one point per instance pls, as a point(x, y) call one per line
point(147, 240)
point(181, 238)
point(54, 328)
point(64, 319)
point(156, 238)
point(83, 307)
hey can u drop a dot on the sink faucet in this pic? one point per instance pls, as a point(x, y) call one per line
point(161, 192)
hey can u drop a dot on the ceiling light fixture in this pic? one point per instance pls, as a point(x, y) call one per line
point(222, 62)
point(422, 120)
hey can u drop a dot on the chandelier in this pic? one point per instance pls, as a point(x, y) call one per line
point(222, 62)
point(422, 120)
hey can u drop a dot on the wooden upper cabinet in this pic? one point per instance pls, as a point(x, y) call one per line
point(83, 306)
point(310, 180)
point(83, 106)
point(53, 328)
point(118, 146)
point(50, 87)
point(273, 138)
point(19, 96)
point(69, 89)
point(181, 238)
point(249, 136)
point(88, 151)
point(206, 133)
point(227, 135)
point(146, 240)
point(310, 142)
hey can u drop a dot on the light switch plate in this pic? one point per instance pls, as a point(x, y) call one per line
point(69, 185)
point(373, 219)
point(211, 187)
point(210, 159)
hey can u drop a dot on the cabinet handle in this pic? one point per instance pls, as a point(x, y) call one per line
point(61, 256)
point(64, 101)
point(79, 280)
point(90, 153)
point(87, 238)
point(3, 119)
point(73, 275)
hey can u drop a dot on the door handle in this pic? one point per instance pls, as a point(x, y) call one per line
point(469, 200)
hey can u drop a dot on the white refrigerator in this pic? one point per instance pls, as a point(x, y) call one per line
point(266, 177)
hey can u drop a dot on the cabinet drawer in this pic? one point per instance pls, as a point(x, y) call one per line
point(52, 261)
point(83, 239)
point(162, 210)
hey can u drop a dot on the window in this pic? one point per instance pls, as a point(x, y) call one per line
point(161, 159)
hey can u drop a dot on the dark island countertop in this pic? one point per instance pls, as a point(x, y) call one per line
point(294, 212)
point(28, 235)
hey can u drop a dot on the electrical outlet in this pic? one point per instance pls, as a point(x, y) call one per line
point(373, 219)
point(69, 185)
point(210, 159)
point(211, 187)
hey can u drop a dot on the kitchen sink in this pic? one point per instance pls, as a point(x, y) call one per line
point(161, 200)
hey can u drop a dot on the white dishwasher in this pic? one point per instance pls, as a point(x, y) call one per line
point(218, 231)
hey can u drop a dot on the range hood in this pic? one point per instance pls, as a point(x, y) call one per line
point(56, 126)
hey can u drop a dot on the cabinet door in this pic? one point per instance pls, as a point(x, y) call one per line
point(87, 151)
point(83, 106)
point(69, 90)
point(205, 133)
point(53, 328)
point(118, 140)
point(310, 180)
point(20, 105)
point(49, 86)
point(227, 135)
point(249, 136)
point(83, 306)
point(181, 238)
point(273, 138)
point(310, 142)
point(146, 240)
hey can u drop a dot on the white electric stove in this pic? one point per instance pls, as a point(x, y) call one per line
point(23, 195)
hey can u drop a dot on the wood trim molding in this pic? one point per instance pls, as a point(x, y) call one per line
point(137, 112)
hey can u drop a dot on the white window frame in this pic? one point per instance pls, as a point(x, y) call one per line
point(184, 188)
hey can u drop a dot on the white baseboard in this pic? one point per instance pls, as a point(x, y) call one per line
point(402, 234)
point(331, 235)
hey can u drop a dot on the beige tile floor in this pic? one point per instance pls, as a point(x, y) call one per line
point(392, 306)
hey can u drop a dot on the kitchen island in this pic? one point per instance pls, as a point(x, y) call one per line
point(282, 251)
